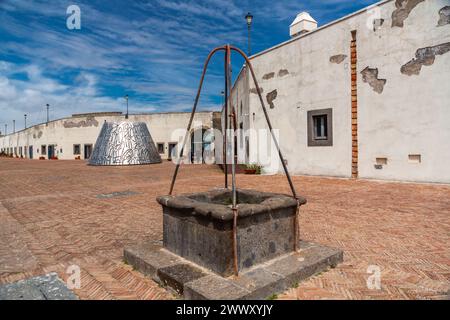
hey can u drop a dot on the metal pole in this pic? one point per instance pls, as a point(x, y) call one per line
point(25, 120)
point(47, 112)
point(269, 124)
point(6, 129)
point(228, 97)
point(249, 41)
point(14, 126)
point(126, 115)
point(233, 164)
point(249, 19)
point(225, 130)
point(224, 139)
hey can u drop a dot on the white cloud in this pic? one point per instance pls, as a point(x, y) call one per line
point(7, 91)
point(31, 95)
point(152, 50)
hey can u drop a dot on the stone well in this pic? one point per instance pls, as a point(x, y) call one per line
point(199, 227)
point(196, 258)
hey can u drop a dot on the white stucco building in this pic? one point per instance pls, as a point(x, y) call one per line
point(74, 137)
point(364, 96)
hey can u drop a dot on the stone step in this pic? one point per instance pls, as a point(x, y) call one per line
point(193, 282)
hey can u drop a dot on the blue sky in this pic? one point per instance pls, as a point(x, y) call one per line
point(151, 50)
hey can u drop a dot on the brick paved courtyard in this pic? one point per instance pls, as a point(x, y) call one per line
point(54, 214)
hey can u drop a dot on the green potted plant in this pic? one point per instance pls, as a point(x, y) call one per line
point(252, 169)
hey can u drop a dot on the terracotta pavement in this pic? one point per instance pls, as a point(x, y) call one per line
point(56, 214)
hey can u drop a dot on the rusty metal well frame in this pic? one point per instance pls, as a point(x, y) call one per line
point(227, 49)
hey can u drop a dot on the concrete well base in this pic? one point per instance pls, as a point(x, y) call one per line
point(193, 282)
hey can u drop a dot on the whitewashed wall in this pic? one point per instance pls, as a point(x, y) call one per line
point(60, 134)
point(410, 116)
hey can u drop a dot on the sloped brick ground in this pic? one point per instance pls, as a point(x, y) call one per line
point(54, 214)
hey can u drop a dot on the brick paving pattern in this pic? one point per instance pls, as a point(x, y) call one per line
point(54, 214)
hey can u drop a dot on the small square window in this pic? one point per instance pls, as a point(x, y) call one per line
point(76, 149)
point(160, 148)
point(320, 128)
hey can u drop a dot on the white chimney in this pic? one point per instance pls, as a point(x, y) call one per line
point(303, 23)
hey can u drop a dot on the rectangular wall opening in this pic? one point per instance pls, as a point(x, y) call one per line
point(76, 149)
point(160, 147)
point(414, 158)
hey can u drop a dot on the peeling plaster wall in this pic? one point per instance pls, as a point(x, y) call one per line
point(82, 130)
point(402, 11)
point(305, 79)
point(410, 115)
point(338, 59)
point(370, 76)
point(424, 57)
point(444, 16)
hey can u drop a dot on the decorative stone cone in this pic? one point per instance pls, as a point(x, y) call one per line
point(124, 143)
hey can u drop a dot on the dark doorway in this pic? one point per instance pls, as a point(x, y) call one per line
point(87, 151)
point(172, 150)
point(51, 151)
point(30, 151)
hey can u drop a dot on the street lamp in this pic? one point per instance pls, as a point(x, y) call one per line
point(25, 115)
point(47, 105)
point(14, 126)
point(222, 93)
point(249, 19)
point(6, 129)
point(126, 98)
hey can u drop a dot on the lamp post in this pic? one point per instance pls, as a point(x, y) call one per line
point(6, 129)
point(249, 19)
point(25, 115)
point(47, 105)
point(14, 126)
point(126, 98)
point(222, 93)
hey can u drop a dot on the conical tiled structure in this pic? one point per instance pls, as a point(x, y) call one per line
point(124, 143)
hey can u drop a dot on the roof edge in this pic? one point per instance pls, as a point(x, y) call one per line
point(319, 28)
